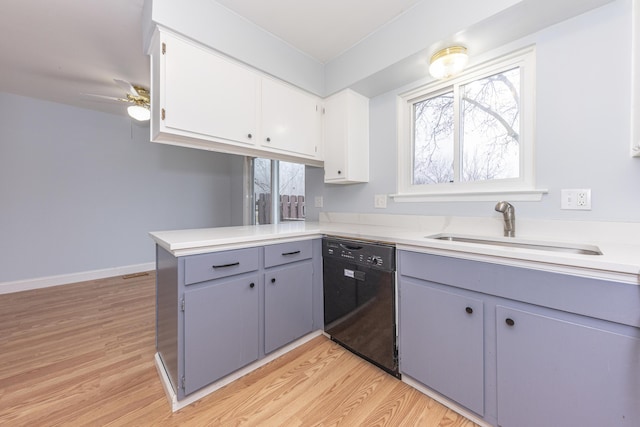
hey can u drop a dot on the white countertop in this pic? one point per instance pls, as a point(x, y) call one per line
point(203, 240)
point(619, 242)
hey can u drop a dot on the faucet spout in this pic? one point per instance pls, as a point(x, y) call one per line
point(509, 214)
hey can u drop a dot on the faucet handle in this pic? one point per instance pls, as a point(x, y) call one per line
point(509, 213)
point(503, 206)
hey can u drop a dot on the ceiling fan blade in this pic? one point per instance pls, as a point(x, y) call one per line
point(108, 98)
point(127, 86)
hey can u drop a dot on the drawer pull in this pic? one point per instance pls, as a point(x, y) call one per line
point(510, 322)
point(251, 285)
point(469, 310)
point(233, 264)
point(290, 253)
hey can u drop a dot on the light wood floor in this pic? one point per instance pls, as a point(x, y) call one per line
point(82, 355)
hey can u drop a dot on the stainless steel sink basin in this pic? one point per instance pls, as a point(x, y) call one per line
point(524, 244)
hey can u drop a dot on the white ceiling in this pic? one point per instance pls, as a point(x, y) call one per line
point(57, 50)
point(322, 29)
point(60, 50)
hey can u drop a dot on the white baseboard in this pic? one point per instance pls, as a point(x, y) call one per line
point(179, 404)
point(65, 279)
point(443, 400)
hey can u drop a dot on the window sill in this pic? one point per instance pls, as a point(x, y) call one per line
point(476, 196)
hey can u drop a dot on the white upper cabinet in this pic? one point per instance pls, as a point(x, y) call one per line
point(291, 119)
point(206, 94)
point(346, 138)
point(204, 100)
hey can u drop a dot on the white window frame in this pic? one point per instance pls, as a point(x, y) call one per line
point(522, 188)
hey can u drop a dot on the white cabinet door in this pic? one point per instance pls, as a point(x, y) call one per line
point(291, 120)
point(335, 138)
point(346, 138)
point(207, 95)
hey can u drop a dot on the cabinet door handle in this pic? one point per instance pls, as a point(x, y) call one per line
point(226, 265)
point(290, 253)
point(249, 136)
point(469, 310)
point(268, 139)
point(509, 321)
point(339, 172)
point(252, 285)
point(273, 280)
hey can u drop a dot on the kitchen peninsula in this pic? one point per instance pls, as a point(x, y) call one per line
point(537, 327)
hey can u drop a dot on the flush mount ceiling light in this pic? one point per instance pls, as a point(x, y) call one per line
point(448, 62)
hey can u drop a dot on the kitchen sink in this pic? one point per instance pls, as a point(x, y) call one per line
point(510, 242)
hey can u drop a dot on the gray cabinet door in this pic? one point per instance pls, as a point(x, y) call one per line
point(288, 310)
point(441, 342)
point(221, 330)
point(553, 372)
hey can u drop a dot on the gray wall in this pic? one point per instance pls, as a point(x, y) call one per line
point(582, 131)
point(80, 189)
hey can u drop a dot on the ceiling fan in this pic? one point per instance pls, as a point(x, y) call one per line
point(136, 95)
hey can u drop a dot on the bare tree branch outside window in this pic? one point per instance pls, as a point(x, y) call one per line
point(433, 140)
point(490, 127)
point(489, 132)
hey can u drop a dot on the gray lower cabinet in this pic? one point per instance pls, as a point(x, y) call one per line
point(441, 342)
point(215, 313)
point(538, 349)
point(288, 293)
point(221, 330)
point(553, 372)
point(287, 305)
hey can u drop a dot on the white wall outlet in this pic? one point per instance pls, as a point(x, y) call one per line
point(380, 201)
point(318, 202)
point(576, 199)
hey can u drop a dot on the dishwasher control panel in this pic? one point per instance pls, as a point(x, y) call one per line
point(370, 254)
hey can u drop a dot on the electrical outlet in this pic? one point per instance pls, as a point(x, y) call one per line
point(318, 202)
point(380, 201)
point(576, 199)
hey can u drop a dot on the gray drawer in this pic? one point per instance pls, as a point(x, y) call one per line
point(284, 253)
point(200, 268)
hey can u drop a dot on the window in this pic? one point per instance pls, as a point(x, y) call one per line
point(290, 179)
point(470, 138)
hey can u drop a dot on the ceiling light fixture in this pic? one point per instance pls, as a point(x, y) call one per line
point(448, 62)
point(139, 113)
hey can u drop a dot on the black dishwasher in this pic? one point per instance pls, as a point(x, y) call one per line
point(360, 299)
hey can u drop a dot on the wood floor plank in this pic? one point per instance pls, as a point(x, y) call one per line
point(82, 355)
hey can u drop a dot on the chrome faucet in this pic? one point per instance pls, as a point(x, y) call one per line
point(509, 213)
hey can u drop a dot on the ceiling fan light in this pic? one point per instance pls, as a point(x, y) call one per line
point(448, 62)
point(139, 113)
